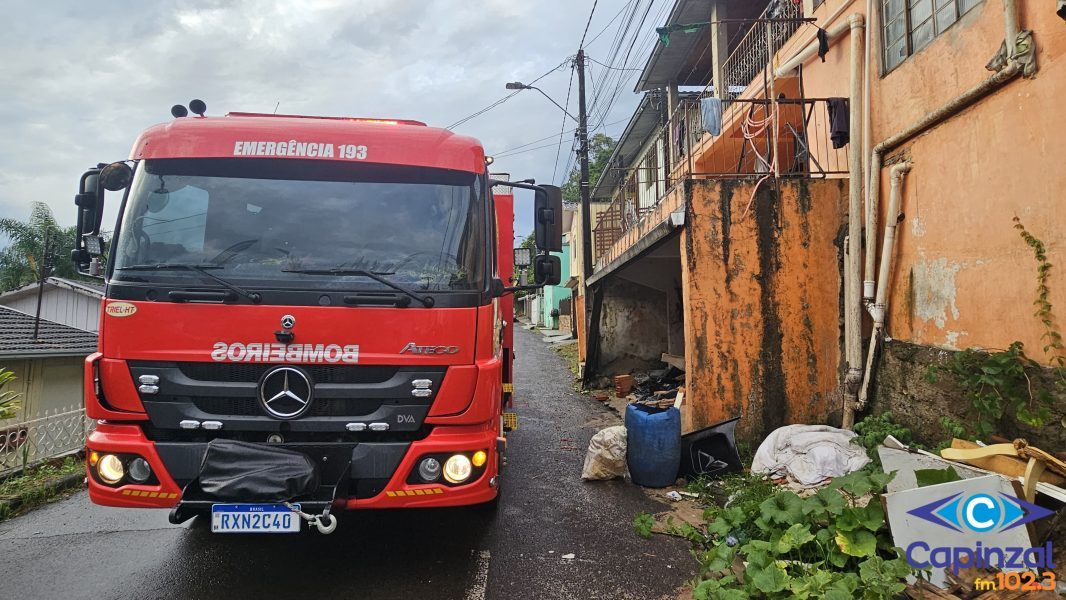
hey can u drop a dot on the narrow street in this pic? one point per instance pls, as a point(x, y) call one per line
point(73, 549)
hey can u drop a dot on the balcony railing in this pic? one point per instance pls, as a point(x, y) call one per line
point(759, 137)
point(749, 59)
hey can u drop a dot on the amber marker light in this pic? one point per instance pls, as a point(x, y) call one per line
point(479, 458)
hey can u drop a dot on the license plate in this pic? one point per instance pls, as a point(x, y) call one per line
point(254, 518)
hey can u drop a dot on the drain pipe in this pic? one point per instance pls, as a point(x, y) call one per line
point(880, 305)
point(853, 278)
point(955, 106)
point(867, 140)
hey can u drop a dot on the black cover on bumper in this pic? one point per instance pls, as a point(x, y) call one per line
point(239, 471)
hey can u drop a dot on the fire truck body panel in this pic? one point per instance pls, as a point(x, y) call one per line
point(388, 385)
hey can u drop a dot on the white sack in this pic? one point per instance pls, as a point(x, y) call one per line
point(606, 457)
point(809, 454)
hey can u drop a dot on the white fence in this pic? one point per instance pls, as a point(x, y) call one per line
point(28, 443)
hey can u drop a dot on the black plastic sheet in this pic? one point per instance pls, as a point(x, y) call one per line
point(243, 472)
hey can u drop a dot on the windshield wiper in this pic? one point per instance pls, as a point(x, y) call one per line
point(202, 269)
point(426, 301)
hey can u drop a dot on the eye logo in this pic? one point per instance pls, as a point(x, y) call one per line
point(980, 513)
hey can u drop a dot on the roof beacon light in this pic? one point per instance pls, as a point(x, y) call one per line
point(198, 106)
point(179, 111)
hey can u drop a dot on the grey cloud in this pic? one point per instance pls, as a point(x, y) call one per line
point(81, 80)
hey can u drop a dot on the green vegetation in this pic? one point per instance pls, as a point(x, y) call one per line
point(569, 354)
point(9, 403)
point(1005, 382)
point(38, 248)
point(36, 485)
point(873, 430)
point(832, 544)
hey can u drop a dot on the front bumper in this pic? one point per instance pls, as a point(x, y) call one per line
point(370, 462)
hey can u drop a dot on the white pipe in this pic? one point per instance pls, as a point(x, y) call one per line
point(867, 98)
point(1011, 27)
point(803, 55)
point(879, 308)
point(853, 291)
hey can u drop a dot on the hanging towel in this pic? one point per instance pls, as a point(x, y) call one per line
point(839, 121)
point(823, 43)
point(711, 108)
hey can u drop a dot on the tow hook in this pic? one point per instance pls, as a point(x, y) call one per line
point(325, 523)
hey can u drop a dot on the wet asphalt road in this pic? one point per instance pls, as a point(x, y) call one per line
point(73, 549)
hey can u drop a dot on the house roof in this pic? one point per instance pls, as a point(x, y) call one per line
point(687, 59)
point(53, 339)
point(93, 290)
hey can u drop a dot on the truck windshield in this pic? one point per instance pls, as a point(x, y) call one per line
point(293, 224)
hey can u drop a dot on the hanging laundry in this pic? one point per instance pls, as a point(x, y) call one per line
point(711, 109)
point(839, 121)
point(823, 43)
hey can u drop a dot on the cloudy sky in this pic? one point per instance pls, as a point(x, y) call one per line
point(80, 80)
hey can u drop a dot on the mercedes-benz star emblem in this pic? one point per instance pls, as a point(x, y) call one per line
point(288, 321)
point(285, 392)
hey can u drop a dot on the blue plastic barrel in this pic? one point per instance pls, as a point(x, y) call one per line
point(653, 445)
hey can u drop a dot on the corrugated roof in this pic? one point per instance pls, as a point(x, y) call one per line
point(16, 337)
point(687, 60)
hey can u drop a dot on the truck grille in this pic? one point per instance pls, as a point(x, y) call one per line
point(250, 407)
point(250, 373)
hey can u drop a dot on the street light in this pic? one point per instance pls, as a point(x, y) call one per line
point(518, 85)
point(591, 345)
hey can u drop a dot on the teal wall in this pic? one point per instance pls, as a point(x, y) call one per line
point(553, 294)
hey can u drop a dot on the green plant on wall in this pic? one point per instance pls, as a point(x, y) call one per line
point(9, 403)
point(1004, 383)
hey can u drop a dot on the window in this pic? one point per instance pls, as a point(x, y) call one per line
point(817, 3)
point(907, 26)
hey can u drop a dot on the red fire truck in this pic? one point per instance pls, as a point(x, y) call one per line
point(302, 314)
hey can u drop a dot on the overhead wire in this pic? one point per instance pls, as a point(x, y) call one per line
point(507, 97)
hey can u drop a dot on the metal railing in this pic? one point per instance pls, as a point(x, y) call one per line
point(29, 443)
point(751, 56)
point(796, 132)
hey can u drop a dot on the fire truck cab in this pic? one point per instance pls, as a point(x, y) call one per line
point(302, 314)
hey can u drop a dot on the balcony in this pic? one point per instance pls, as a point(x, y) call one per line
point(767, 129)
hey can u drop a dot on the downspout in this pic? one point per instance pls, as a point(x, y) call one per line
point(880, 305)
point(853, 281)
point(952, 108)
point(867, 139)
point(812, 48)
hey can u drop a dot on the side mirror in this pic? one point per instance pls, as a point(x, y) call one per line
point(548, 218)
point(90, 203)
point(523, 257)
point(547, 270)
point(116, 176)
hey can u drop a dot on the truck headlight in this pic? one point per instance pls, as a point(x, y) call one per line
point(140, 470)
point(457, 468)
point(429, 469)
point(110, 469)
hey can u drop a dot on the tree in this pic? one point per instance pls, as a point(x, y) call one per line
point(25, 259)
point(601, 146)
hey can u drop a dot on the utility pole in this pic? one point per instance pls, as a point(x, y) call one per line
point(43, 270)
point(583, 155)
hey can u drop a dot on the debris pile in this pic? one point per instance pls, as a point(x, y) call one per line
point(661, 388)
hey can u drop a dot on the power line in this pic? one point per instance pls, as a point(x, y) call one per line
point(591, 12)
point(569, 87)
point(610, 67)
point(605, 27)
point(505, 98)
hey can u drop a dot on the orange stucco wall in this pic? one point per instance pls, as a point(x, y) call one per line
point(963, 277)
point(761, 300)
